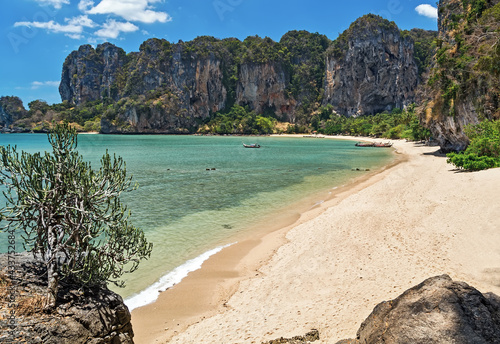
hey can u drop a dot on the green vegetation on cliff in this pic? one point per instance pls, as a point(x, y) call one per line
point(13, 106)
point(307, 53)
point(467, 68)
point(424, 47)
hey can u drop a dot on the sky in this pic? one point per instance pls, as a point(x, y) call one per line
point(37, 35)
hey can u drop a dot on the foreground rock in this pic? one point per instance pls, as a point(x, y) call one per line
point(94, 316)
point(309, 337)
point(438, 310)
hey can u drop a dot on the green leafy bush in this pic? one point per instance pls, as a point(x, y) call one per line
point(472, 162)
point(483, 151)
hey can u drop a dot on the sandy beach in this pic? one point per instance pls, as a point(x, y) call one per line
point(327, 268)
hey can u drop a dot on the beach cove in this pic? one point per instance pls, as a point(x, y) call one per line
point(198, 194)
point(328, 267)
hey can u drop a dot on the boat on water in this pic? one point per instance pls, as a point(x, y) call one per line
point(252, 145)
point(364, 144)
point(374, 144)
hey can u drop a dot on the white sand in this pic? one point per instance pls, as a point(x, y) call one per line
point(370, 243)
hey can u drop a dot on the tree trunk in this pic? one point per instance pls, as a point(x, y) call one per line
point(53, 285)
point(52, 273)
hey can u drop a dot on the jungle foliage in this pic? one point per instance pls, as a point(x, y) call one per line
point(394, 125)
point(240, 120)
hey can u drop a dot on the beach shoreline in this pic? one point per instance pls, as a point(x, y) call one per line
point(194, 299)
point(273, 283)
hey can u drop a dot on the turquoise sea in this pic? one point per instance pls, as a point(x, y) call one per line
point(198, 193)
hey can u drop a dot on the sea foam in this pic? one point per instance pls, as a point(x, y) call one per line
point(150, 294)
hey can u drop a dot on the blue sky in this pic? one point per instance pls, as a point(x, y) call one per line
point(37, 35)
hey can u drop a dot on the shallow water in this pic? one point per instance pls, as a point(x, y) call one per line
point(197, 193)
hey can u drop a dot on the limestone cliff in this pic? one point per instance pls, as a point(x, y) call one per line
point(90, 74)
point(171, 88)
point(11, 109)
point(370, 68)
point(464, 85)
point(167, 88)
point(262, 87)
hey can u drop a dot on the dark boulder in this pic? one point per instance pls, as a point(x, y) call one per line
point(438, 310)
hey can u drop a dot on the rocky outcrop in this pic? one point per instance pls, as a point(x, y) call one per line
point(309, 337)
point(90, 316)
point(11, 109)
point(465, 81)
point(5, 118)
point(370, 68)
point(90, 74)
point(439, 310)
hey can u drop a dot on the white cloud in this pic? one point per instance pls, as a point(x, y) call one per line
point(37, 84)
point(131, 10)
point(112, 28)
point(76, 36)
point(52, 26)
point(73, 27)
point(85, 5)
point(56, 3)
point(427, 11)
point(84, 21)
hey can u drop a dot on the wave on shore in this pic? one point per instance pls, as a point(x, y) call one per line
point(150, 294)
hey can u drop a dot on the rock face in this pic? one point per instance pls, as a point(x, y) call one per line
point(166, 88)
point(89, 73)
point(5, 118)
point(438, 310)
point(95, 316)
point(181, 91)
point(465, 81)
point(370, 68)
point(262, 87)
point(11, 109)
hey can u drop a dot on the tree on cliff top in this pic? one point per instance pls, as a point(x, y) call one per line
point(69, 214)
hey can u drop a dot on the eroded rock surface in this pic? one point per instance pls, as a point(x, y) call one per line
point(439, 310)
point(92, 316)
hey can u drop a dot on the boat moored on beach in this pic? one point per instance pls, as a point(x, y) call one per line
point(364, 144)
point(383, 144)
